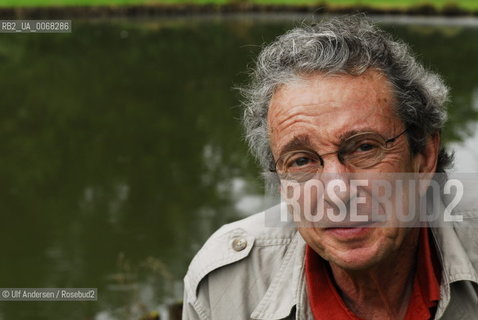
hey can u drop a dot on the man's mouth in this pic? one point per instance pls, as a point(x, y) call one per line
point(351, 230)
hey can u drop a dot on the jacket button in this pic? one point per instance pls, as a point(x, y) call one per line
point(239, 244)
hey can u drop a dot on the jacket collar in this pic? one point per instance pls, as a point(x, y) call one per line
point(286, 286)
point(454, 252)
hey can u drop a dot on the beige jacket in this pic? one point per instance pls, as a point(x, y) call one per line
point(250, 270)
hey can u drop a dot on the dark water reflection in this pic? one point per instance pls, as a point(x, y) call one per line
point(122, 152)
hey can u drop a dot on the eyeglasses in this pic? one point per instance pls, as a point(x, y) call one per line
point(362, 150)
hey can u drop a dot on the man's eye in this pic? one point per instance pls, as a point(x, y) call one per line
point(300, 162)
point(366, 147)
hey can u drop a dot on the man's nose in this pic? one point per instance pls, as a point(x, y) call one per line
point(336, 179)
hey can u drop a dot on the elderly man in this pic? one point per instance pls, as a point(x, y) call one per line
point(338, 97)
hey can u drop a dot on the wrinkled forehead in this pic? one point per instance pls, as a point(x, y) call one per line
point(368, 97)
point(327, 107)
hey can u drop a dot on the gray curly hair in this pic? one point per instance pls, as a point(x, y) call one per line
point(345, 45)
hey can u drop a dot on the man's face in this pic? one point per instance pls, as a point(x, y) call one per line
point(320, 110)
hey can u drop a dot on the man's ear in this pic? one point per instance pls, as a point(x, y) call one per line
point(426, 160)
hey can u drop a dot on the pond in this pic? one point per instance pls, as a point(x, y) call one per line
point(122, 150)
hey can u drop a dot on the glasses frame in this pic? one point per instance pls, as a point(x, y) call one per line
point(320, 157)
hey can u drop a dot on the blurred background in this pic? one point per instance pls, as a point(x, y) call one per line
point(121, 146)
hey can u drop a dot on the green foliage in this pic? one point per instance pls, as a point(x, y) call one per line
point(380, 4)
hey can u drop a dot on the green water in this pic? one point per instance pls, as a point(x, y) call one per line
point(121, 151)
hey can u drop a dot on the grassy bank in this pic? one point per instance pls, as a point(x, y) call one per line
point(438, 5)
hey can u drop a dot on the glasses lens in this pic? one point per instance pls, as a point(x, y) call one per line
point(363, 150)
point(298, 176)
point(299, 165)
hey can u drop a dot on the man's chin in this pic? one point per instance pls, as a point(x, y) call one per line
point(356, 259)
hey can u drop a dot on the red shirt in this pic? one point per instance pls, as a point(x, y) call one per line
point(326, 303)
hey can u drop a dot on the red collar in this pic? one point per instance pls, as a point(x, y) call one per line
point(326, 303)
